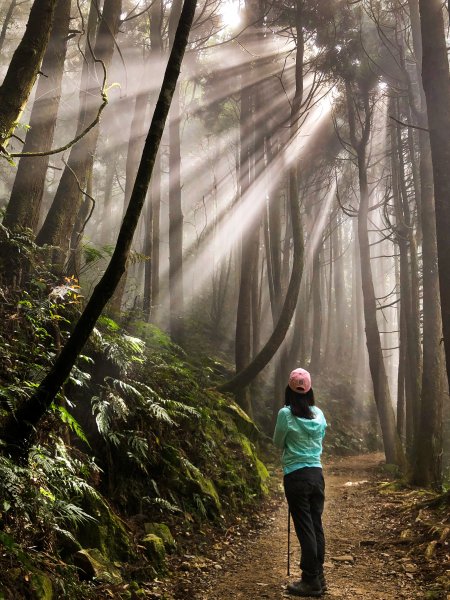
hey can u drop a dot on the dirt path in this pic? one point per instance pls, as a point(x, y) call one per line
point(355, 527)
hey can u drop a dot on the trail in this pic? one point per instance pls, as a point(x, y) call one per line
point(356, 527)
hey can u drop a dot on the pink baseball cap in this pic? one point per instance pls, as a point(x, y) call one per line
point(300, 381)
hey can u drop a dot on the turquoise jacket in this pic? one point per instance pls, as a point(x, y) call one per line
point(300, 439)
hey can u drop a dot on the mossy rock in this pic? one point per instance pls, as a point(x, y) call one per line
point(261, 473)
point(41, 586)
point(243, 422)
point(191, 481)
point(155, 552)
point(107, 533)
point(95, 566)
point(205, 488)
point(163, 532)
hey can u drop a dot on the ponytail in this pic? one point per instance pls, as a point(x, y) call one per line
point(300, 404)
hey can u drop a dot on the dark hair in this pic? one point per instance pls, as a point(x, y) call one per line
point(300, 404)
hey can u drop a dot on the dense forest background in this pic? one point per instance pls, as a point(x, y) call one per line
point(175, 240)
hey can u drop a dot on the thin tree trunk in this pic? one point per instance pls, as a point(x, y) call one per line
point(317, 312)
point(392, 444)
point(6, 22)
point(250, 371)
point(407, 364)
point(176, 284)
point(151, 289)
point(17, 429)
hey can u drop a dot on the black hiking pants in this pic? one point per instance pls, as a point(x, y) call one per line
point(305, 493)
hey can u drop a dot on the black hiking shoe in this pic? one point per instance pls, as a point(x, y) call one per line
point(322, 580)
point(311, 589)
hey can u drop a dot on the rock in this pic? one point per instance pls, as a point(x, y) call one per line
point(243, 422)
point(94, 565)
point(344, 558)
point(431, 550)
point(368, 542)
point(41, 585)
point(407, 534)
point(107, 533)
point(163, 532)
point(155, 551)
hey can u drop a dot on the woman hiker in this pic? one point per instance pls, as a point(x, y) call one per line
point(299, 433)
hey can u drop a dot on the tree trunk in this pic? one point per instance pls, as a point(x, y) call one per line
point(24, 67)
point(435, 78)
point(60, 220)
point(151, 289)
point(250, 371)
point(176, 287)
point(6, 22)
point(427, 469)
point(26, 196)
point(17, 429)
point(392, 444)
point(317, 312)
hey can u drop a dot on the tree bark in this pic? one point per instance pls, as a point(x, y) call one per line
point(250, 371)
point(392, 444)
point(26, 195)
point(435, 78)
point(6, 22)
point(16, 430)
point(60, 220)
point(176, 284)
point(151, 291)
point(24, 67)
point(427, 469)
point(317, 312)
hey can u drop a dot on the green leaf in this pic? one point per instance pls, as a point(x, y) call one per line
point(69, 420)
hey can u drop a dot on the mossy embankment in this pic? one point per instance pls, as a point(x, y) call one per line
point(138, 449)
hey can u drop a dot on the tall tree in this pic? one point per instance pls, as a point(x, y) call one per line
point(58, 225)
point(427, 468)
point(250, 371)
point(24, 67)
point(176, 284)
point(24, 205)
point(436, 84)
point(359, 111)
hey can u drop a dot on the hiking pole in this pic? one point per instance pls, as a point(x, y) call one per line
point(289, 544)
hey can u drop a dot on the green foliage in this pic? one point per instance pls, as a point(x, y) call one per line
point(164, 444)
point(47, 494)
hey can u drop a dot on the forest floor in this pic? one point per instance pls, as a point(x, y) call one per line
point(366, 556)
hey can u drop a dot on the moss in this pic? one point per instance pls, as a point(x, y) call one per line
point(163, 532)
point(260, 473)
point(242, 421)
point(107, 534)
point(155, 552)
point(95, 566)
point(205, 487)
point(263, 475)
point(41, 585)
